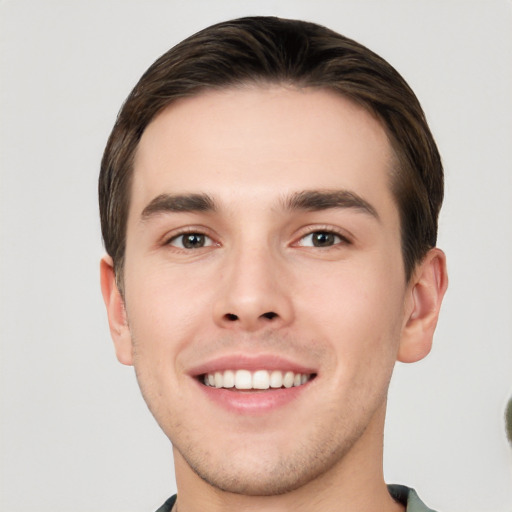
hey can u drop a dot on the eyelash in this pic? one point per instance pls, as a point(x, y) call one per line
point(342, 240)
point(188, 232)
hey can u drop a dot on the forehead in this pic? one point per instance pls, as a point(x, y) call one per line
point(266, 140)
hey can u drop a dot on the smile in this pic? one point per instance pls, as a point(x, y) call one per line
point(258, 380)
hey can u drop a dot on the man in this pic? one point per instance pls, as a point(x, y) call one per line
point(269, 199)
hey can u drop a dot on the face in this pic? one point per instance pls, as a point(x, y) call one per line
point(264, 285)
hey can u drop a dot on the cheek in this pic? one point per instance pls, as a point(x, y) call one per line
point(167, 309)
point(360, 312)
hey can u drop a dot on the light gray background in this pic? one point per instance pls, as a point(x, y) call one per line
point(75, 434)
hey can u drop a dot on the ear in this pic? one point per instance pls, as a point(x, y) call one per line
point(116, 312)
point(423, 302)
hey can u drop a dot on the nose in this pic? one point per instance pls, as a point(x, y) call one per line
point(254, 293)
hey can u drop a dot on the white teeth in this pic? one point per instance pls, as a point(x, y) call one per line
point(260, 379)
point(276, 379)
point(243, 379)
point(288, 379)
point(229, 379)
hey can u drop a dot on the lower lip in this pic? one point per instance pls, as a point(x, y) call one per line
point(253, 402)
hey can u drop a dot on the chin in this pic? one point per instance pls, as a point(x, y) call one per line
point(270, 482)
point(271, 473)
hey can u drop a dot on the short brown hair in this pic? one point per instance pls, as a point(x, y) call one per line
point(289, 52)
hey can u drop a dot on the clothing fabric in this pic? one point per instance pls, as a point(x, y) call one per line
point(400, 493)
point(409, 497)
point(167, 506)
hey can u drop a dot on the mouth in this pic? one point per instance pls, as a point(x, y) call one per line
point(259, 380)
point(253, 384)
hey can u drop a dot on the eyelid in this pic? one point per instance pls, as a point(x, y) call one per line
point(186, 230)
point(309, 230)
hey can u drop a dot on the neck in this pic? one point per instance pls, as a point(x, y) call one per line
point(355, 483)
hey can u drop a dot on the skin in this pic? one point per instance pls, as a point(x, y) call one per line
point(260, 287)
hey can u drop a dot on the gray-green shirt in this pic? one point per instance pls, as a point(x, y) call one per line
point(409, 498)
point(400, 493)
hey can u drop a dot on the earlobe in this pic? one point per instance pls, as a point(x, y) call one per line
point(116, 312)
point(425, 295)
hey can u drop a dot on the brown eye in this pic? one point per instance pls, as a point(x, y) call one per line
point(321, 239)
point(191, 241)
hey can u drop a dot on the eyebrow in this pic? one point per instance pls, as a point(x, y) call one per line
point(317, 200)
point(178, 203)
point(309, 200)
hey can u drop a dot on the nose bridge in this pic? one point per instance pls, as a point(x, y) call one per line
point(253, 292)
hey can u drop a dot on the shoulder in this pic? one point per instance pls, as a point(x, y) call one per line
point(167, 506)
point(408, 497)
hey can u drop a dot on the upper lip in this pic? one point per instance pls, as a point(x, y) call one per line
point(249, 362)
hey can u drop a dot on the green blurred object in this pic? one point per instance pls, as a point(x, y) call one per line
point(508, 420)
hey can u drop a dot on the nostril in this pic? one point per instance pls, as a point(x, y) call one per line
point(231, 317)
point(270, 315)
